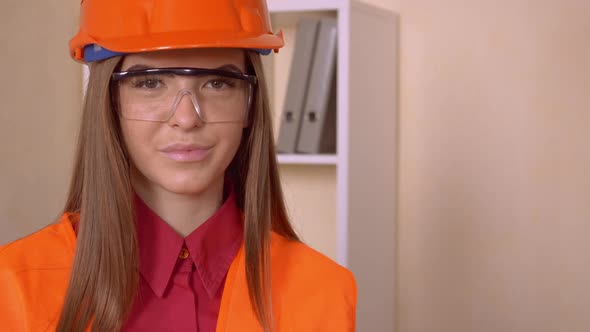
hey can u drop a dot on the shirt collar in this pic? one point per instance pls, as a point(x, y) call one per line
point(212, 246)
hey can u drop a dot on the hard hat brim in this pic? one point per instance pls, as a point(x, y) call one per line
point(176, 40)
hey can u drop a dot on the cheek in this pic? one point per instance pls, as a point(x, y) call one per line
point(137, 137)
point(231, 138)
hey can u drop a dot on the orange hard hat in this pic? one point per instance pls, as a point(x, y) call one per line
point(112, 27)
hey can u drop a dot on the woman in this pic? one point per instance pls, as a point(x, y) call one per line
point(175, 219)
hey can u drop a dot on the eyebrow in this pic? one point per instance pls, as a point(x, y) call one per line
point(228, 67)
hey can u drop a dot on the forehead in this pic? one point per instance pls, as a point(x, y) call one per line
point(197, 57)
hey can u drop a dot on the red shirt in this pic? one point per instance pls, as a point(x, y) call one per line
point(181, 280)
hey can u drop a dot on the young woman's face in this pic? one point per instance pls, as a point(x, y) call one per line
point(183, 154)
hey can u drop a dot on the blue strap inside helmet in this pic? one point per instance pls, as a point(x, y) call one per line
point(95, 52)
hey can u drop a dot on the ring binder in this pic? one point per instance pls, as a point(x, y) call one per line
point(297, 89)
point(318, 127)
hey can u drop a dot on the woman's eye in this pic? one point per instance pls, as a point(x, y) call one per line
point(147, 83)
point(220, 83)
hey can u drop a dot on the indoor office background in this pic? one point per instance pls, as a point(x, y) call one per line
point(493, 192)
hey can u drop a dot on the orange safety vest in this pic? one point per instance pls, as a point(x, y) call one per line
point(309, 291)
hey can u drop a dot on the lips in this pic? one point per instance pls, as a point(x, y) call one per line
point(183, 152)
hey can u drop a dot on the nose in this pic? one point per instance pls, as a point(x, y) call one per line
point(186, 111)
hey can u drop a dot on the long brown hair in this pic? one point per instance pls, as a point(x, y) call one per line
point(104, 277)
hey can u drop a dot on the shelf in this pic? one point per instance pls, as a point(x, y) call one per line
point(286, 6)
point(307, 159)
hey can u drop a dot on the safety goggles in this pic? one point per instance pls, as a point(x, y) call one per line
point(153, 94)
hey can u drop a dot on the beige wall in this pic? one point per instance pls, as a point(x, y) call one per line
point(40, 93)
point(494, 215)
point(494, 190)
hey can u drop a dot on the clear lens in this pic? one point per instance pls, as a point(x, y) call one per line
point(154, 97)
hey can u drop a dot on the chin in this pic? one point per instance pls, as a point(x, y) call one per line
point(188, 185)
point(185, 187)
point(183, 178)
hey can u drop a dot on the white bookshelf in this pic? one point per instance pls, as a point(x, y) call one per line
point(344, 204)
point(302, 159)
point(290, 6)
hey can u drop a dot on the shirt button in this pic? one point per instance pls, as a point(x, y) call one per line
point(184, 253)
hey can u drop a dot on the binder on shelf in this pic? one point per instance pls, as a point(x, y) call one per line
point(305, 43)
point(318, 124)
